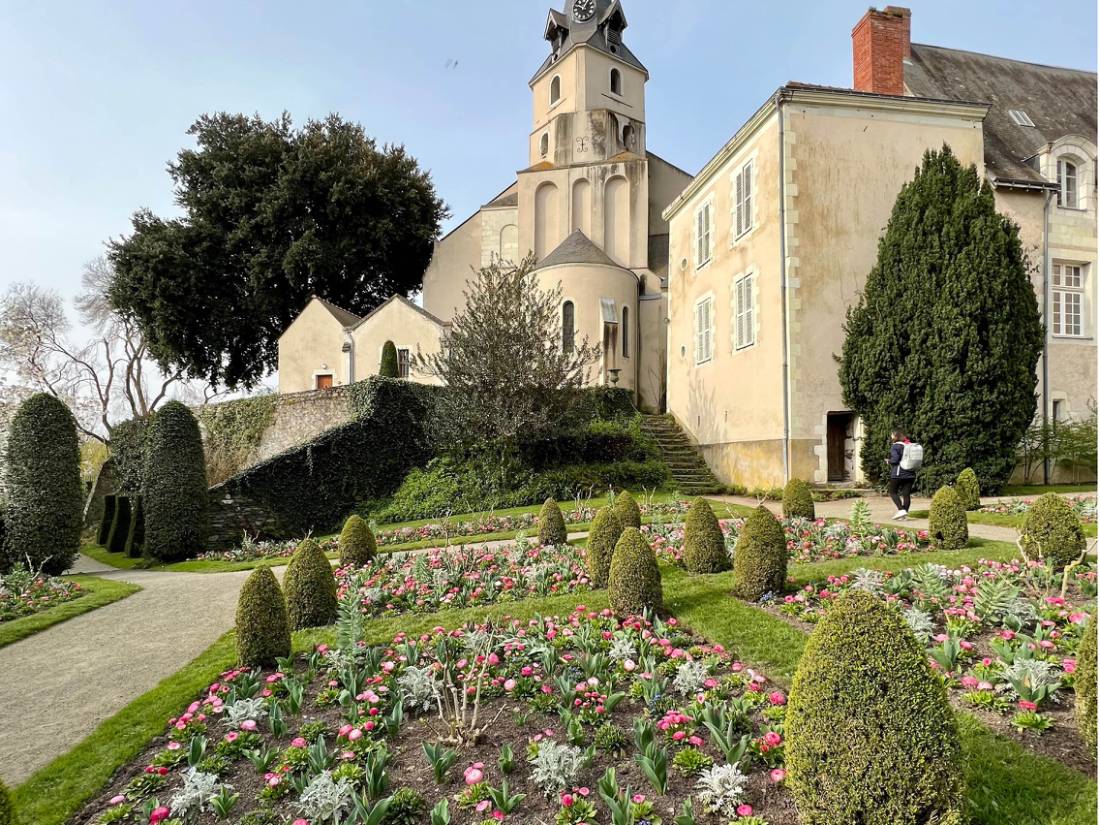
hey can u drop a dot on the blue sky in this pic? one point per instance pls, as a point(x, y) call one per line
point(97, 97)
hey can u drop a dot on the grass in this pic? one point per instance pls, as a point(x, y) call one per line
point(97, 593)
point(119, 561)
point(1012, 520)
point(1039, 489)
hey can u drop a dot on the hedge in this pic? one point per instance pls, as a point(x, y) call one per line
point(1052, 531)
point(109, 503)
point(128, 453)
point(263, 630)
point(798, 500)
point(135, 537)
point(1084, 685)
point(174, 485)
point(704, 543)
point(310, 588)
point(120, 526)
point(947, 526)
point(760, 557)
point(552, 524)
point(603, 535)
point(45, 496)
point(969, 490)
point(634, 582)
point(388, 368)
point(357, 543)
point(627, 509)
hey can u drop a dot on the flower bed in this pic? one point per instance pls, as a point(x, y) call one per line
point(1083, 506)
point(578, 720)
point(22, 593)
point(807, 541)
point(1002, 635)
point(251, 550)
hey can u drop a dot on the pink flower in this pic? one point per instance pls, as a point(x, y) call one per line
point(510, 685)
point(567, 800)
point(159, 815)
point(773, 739)
point(778, 775)
point(248, 724)
point(638, 798)
point(300, 821)
point(744, 810)
point(474, 773)
point(483, 806)
point(298, 742)
point(175, 746)
point(1069, 665)
point(777, 698)
point(118, 800)
point(1026, 705)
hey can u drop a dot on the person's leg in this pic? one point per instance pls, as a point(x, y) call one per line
point(906, 493)
point(893, 488)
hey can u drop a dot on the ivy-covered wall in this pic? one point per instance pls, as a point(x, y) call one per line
point(232, 432)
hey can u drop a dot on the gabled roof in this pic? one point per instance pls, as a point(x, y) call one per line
point(1060, 102)
point(577, 249)
point(346, 319)
point(403, 300)
point(578, 34)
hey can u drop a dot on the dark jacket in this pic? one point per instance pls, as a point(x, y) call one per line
point(896, 471)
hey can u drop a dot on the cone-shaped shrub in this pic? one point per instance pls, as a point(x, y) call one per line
point(603, 535)
point(634, 583)
point(135, 539)
point(263, 631)
point(120, 528)
point(174, 485)
point(7, 809)
point(626, 508)
point(552, 524)
point(1084, 685)
point(871, 739)
point(947, 528)
point(704, 544)
point(388, 368)
point(1052, 531)
point(310, 588)
point(105, 523)
point(970, 492)
point(357, 544)
point(45, 497)
point(798, 501)
point(760, 557)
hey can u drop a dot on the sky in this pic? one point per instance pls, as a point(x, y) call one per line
point(97, 97)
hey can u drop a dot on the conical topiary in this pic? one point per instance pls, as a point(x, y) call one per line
point(357, 544)
point(626, 508)
point(1084, 685)
point(552, 524)
point(798, 501)
point(634, 583)
point(760, 557)
point(871, 738)
point(603, 535)
point(704, 544)
point(263, 629)
point(388, 367)
point(174, 485)
point(970, 492)
point(947, 527)
point(1052, 531)
point(310, 588)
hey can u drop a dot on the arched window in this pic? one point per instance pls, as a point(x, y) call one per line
point(1067, 183)
point(567, 326)
point(629, 138)
point(616, 82)
point(544, 145)
point(555, 90)
point(626, 332)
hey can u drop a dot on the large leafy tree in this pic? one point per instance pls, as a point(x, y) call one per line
point(946, 335)
point(271, 216)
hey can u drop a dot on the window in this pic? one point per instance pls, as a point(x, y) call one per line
point(555, 90)
point(704, 224)
point(704, 330)
point(403, 363)
point(1058, 411)
point(1067, 184)
point(567, 326)
point(742, 200)
point(744, 313)
point(1067, 299)
point(544, 145)
point(1020, 117)
point(626, 332)
point(616, 82)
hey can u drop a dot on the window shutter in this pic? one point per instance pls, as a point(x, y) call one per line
point(738, 195)
point(746, 220)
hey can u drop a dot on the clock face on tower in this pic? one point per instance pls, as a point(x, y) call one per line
point(583, 10)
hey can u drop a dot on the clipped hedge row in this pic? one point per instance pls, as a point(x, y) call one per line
point(174, 485)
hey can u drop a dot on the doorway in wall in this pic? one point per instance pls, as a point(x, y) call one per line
point(323, 381)
point(838, 431)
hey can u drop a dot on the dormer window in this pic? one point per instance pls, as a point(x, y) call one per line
point(616, 82)
point(1067, 184)
point(555, 90)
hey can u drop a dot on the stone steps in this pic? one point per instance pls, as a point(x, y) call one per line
point(685, 463)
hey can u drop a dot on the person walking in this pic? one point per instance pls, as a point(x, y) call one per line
point(902, 474)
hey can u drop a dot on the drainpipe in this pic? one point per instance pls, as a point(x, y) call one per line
point(1046, 329)
point(349, 348)
point(783, 293)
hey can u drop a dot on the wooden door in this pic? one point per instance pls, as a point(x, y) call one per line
point(324, 382)
point(837, 435)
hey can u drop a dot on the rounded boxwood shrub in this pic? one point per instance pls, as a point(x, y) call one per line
point(634, 583)
point(389, 367)
point(626, 508)
point(1052, 531)
point(970, 492)
point(871, 738)
point(263, 630)
point(947, 528)
point(603, 535)
point(310, 587)
point(108, 519)
point(760, 557)
point(120, 527)
point(552, 524)
point(357, 544)
point(1084, 685)
point(704, 544)
point(798, 501)
point(174, 485)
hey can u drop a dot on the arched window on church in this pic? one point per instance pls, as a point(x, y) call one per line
point(567, 327)
point(555, 90)
point(616, 82)
point(544, 145)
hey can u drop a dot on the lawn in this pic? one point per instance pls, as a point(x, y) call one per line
point(1039, 489)
point(97, 593)
point(1012, 520)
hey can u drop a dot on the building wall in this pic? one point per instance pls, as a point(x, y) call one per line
point(311, 345)
point(446, 276)
point(500, 236)
point(406, 327)
point(652, 348)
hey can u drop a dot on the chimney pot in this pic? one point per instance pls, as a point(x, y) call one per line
point(880, 42)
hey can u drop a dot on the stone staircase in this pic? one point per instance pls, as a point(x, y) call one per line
point(689, 470)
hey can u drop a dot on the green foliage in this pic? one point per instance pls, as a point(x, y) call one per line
point(310, 587)
point(388, 368)
point(263, 628)
point(1052, 531)
point(109, 503)
point(760, 557)
point(871, 738)
point(969, 490)
point(603, 535)
point(552, 524)
point(128, 453)
point(407, 807)
point(45, 496)
point(798, 500)
point(357, 544)
point(7, 810)
point(947, 527)
point(634, 581)
point(704, 544)
point(231, 432)
point(1084, 685)
point(120, 526)
point(946, 334)
point(174, 485)
point(135, 536)
point(626, 508)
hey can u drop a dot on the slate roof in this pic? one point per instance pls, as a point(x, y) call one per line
point(1060, 102)
point(605, 10)
point(346, 319)
point(577, 249)
point(407, 303)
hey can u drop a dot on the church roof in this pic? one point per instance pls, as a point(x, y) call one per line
point(1058, 101)
point(403, 300)
point(346, 319)
point(565, 35)
point(577, 249)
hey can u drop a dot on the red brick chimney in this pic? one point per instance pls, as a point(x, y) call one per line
point(880, 41)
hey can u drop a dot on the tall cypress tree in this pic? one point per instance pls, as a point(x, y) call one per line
point(388, 367)
point(946, 335)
